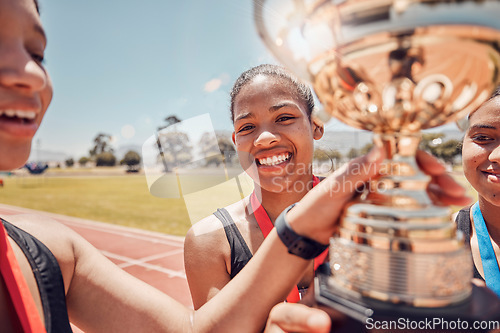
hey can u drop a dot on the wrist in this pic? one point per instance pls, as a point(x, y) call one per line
point(305, 223)
point(298, 244)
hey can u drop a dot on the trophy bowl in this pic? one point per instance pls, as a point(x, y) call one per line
point(393, 67)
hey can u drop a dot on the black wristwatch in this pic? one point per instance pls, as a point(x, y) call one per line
point(299, 245)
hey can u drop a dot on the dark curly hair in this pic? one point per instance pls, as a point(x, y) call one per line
point(303, 91)
point(495, 93)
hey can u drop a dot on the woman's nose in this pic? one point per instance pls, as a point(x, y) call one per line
point(266, 138)
point(18, 70)
point(495, 154)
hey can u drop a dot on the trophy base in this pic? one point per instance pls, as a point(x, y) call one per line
point(365, 314)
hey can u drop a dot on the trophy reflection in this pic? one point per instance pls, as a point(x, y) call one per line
point(394, 67)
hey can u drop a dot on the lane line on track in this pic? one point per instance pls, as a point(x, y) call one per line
point(132, 262)
point(95, 225)
point(153, 257)
point(128, 234)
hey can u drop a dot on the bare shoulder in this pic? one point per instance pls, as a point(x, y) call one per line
point(50, 232)
point(58, 238)
point(208, 226)
point(205, 239)
point(211, 228)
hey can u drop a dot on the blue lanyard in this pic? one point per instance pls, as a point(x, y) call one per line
point(488, 259)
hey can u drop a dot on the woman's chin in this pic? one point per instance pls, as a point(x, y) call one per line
point(12, 158)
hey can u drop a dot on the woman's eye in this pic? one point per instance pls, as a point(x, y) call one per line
point(39, 58)
point(245, 128)
point(284, 118)
point(480, 138)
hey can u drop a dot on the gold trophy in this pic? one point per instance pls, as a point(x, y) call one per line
point(394, 67)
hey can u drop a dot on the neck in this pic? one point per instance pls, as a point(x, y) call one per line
point(491, 215)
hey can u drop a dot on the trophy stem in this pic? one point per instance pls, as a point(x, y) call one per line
point(402, 183)
point(394, 245)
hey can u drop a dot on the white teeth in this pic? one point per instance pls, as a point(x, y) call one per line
point(30, 115)
point(270, 161)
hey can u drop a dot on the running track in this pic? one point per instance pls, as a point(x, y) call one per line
point(152, 257)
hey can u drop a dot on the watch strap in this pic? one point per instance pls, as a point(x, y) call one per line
point(298, 245)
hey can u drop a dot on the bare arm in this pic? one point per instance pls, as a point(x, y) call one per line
point(104, 298)
point(101, 297)
point(204, 260)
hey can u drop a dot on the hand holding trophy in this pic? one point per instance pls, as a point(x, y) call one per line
point(394, 67)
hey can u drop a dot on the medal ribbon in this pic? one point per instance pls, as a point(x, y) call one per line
point(17, 287)
point(488, 258)
point(266, 226)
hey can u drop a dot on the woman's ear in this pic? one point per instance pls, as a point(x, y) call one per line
point(318, 130)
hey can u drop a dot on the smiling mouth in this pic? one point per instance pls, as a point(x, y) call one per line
point(274, 160)
point(18, 116)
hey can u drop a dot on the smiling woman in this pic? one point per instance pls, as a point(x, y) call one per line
point(274, 135)
point(27, 90)
point(481, 164)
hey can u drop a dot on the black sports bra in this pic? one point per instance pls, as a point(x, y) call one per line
point(240, 253)
point(463, 224)
point(48, 277)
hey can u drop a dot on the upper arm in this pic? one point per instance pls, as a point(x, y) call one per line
point(100, 296)
point(205, 253)
point(104, 298)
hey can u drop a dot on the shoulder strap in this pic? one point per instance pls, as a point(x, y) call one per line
point(240, 253)
point(463, 224)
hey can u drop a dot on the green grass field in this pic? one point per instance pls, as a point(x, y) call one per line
point(123, 200)
point(126, 199)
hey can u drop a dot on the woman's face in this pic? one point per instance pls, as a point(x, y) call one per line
point(481, 151)
point(274, 135)
point(25, 87)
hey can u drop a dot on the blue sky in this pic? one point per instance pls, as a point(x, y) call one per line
point(121, 67)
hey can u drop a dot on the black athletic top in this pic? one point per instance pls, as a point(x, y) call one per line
point(48, 277)
point(240, 253)
point(463, 224)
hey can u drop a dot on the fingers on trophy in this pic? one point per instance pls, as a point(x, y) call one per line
point(393, 67)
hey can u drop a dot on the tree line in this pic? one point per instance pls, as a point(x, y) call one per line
point(176, 149)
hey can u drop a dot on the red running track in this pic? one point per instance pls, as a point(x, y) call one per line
point(153, 257)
